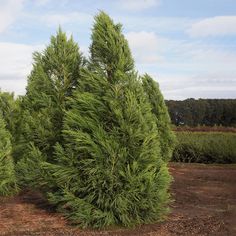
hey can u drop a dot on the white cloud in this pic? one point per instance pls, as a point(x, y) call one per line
point(16, 85)
point(15, 65)
point(209, 81)
point(201, 85)
point(9, 12)
point(214, 58)
point(141, 39)
point(201, 92)
point(215, 26)
point(137, 5)
point(65, 18)
point(185, 68)
point(150, 49)
point(41, 2)
point(160, 24)
point(145, 46)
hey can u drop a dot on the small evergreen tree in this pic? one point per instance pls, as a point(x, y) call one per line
point(159, 109)
point(7, 173)
point(109, 170)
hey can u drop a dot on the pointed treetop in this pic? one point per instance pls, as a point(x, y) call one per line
point(58, 66)
point(109, 48)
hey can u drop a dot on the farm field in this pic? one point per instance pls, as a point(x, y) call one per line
point(205, 147)
point(205, 204)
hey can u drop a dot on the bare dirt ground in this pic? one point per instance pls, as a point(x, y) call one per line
point(205, 204)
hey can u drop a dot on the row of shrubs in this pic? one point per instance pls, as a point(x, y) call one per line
point(204, 128)
point(205, 147)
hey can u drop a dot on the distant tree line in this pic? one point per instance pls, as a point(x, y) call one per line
point(208, 112)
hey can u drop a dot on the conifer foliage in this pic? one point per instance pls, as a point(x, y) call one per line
point(109, 50)
point(54, 76)
point(7, 173)
point(159, 109)
point(9, 110)
point(110, 168)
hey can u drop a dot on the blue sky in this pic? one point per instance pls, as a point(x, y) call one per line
point(188, 46)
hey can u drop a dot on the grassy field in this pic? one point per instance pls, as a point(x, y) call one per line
point(205, 147)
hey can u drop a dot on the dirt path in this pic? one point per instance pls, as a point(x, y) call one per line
point(205, 204)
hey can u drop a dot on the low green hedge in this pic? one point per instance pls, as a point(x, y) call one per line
point(205, 147)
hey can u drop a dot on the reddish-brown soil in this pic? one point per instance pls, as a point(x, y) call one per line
point(205, 204)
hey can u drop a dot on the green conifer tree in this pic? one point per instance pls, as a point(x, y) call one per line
point(54, 76)
point(110, 169)
point(159, 109)
point(7, 173)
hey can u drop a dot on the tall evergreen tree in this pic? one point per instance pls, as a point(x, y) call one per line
point(54, 76)
point(110, 169)
point(159, 109)
point(7, 173)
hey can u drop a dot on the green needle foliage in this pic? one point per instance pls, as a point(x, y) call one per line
point(109, 170)
point(160, 111)
point(54, 76)
point(9, 109)
point(109, 50)
point(7, 173)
